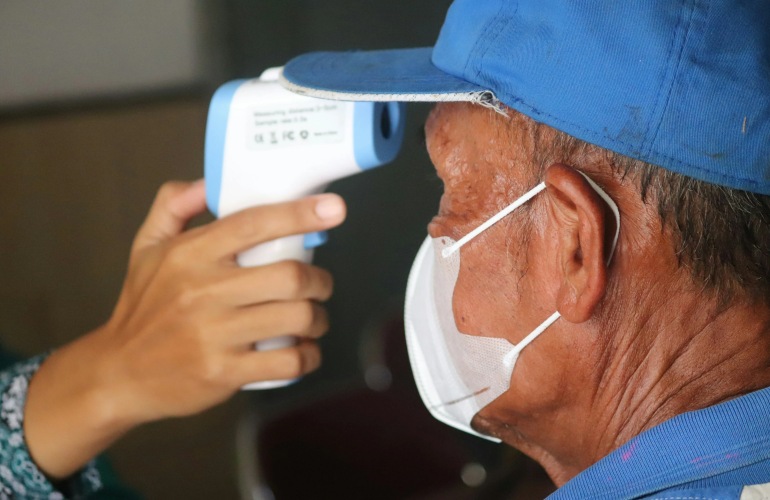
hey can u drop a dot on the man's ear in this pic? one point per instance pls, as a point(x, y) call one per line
point(579, 218)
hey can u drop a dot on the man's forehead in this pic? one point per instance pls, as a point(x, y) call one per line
point(451, 125)
point(482, 157)
point(456, 132)
point(487, 135)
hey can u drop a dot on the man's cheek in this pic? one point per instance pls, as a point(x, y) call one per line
point(476, 299)
point(465, 302)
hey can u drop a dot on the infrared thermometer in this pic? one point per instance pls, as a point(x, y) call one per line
point(265, 144)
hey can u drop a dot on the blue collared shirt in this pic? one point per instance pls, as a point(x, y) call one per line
point(709, 454)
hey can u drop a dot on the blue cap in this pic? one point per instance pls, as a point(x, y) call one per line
point(683, 84)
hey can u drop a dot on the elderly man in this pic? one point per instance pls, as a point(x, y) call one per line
point(594, 289)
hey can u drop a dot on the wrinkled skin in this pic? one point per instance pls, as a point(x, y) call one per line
point(475, 188)
point(635, 344)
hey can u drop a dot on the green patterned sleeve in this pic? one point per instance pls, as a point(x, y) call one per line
point(19, 476)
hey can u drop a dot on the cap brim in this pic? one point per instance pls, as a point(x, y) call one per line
point(381, 75)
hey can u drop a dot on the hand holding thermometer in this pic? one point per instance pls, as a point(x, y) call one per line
point(265, 145)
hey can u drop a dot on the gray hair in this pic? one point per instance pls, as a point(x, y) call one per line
point(721, 235)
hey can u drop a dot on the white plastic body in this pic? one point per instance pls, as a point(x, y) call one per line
point(261, 173)
point(289, 170)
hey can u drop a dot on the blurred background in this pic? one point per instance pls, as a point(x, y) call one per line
point(101, 102)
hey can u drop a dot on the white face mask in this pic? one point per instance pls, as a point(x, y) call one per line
point(458, 374)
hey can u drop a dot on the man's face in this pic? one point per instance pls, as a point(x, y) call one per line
point(484, 161)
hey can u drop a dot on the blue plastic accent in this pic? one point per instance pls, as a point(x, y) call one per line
point(376, 142)
point(214, 150)
point(315, 240)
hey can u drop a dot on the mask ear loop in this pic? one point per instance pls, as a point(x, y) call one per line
point(493, 220)
point(615, 211)
point(513, 354)
point(510, 358)
point(446, 252)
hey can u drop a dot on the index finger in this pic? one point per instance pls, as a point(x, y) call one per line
point(252, 226)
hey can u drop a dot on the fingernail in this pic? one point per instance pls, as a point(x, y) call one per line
point(329, 207)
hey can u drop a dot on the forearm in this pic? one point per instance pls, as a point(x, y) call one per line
point(20, 477)
point(71, 415)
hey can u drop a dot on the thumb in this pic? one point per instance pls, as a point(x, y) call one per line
point(175, 204)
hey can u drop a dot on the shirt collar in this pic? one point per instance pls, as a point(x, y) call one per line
point(689, 447)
